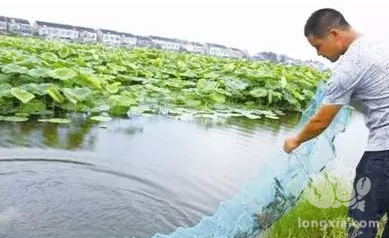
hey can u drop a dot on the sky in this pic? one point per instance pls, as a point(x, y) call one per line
point(255, 26)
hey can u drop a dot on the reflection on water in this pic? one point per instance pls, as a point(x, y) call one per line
point(133, 177)
point(82, 133)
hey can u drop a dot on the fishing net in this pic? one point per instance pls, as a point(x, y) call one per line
point(277, 187)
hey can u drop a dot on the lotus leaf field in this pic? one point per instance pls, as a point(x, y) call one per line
point(49, 81)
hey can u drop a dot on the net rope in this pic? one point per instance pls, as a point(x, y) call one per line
point(277, 187)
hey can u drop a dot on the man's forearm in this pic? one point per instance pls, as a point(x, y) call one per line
point(312, 129)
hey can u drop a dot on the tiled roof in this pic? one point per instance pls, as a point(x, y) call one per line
point(105, 31)
point(217, 45)
point(127, 34)
point(56, 25)
point(197, 44)
point(20, 21)
point(236, 49)
point(164, 39)
point(81, 28)
point(17, 20)
point(144, 38)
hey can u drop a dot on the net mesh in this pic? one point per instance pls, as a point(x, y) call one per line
point(277, 187)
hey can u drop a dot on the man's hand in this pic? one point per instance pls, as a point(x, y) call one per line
point(314, 127)
point(290, 144)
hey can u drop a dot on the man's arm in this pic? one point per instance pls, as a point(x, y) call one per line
point(315, 126)
point(319, 122)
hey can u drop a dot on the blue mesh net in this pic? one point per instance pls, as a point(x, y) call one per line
point(276, 189)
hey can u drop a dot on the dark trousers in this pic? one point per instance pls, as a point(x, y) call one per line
point(375, 166)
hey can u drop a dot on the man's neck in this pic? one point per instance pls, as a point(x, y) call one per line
point(349, 37)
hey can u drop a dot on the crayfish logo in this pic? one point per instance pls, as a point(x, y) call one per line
point(335, 188)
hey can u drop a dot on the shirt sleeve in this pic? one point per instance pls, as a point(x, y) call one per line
point(340, 88)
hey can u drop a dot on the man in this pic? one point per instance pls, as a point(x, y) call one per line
point(360, 78)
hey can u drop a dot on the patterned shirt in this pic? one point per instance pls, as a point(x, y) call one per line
point(360, 78)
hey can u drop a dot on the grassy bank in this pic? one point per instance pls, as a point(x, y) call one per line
point(317, 223)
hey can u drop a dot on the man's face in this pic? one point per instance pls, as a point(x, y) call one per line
point(328, 46)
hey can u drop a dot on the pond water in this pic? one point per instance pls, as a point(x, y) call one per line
point(135, 177)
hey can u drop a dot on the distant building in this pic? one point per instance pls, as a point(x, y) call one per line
point(128, 39)
point(51, 31)
point(19, 26)
point(3, 24)
point(144, 42)
point(237, 53)
point(11, 25)
point(86, 35)
point(166, 43)
point(194, 47)
point(218, 50)
point(269, 56)
point(108, 37)
point(281, 58)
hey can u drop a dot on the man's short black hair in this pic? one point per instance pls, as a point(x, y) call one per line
point(319, 22)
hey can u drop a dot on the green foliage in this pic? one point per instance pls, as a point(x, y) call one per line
point(36, 76)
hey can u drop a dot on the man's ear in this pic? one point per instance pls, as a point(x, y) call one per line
point(333, 33)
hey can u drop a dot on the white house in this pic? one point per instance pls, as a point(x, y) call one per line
point(166, 43)
point(52, 31)
point(19, 26)
point(86, 35)
point(108, 37)
point(218, 50)
point(144, 42)
point(15, 26)
point(237, 53)
point(128, 39)
point(194, 47)
point(3, 24)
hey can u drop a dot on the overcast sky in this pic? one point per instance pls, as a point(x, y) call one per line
point(252, 25)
